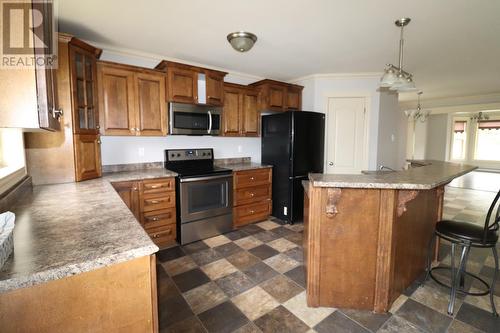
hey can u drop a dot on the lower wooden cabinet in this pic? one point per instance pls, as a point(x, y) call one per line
point(152, 202)
point(87, 149)
point(252, 196)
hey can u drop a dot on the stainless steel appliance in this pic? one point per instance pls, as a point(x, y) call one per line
point(204, 194)
point(191, 119)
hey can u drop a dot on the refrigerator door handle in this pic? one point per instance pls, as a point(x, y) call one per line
point(296, 177)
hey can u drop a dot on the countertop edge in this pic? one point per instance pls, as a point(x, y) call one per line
point(75, 269)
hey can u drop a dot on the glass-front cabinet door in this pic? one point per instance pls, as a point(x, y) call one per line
point(83, 74)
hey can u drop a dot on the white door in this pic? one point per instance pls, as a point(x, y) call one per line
point(345, 134)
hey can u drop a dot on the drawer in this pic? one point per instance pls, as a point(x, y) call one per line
point(252, 178)
point(158, 185)
point(156, 201)
point(252, 194)
point(251, 213)
point(164, 235)
point(158, 218)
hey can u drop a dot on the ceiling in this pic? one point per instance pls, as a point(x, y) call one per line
point(452, 46)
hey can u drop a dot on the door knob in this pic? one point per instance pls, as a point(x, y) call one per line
point(330, 163)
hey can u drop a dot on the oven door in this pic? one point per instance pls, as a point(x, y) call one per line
point(204, 197)
point(194, 119)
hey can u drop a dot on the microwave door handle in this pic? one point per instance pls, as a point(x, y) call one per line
point(209, 122)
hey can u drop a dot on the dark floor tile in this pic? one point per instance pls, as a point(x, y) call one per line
point(458, 327)
point(235, 283)
point(370, 320)
point(190, 279)
point(189, 325)
point(338, 322)
point(281, 288)
point(224, 318)
point(297, 254)
point(281, 320)
point(172, 307)
point(295, 237)
point(227, 249)
point(194, 247)
point(478, 318)
point(487, 274)
point(252, 229)
point(298, 275)
point(266, 236)
point(396, 324)
point(260, 272)
point(243, 260)
point(263, 251)
point(282, 231)
point(423, 316)
point(170, 254)
point(237, 234)
point(444, 250)
point(248, 328)
point(206, 256)
point(478, 254)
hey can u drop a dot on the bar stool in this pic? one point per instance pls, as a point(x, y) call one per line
point(467, 235)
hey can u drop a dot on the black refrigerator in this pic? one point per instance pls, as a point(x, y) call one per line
point(293, 143)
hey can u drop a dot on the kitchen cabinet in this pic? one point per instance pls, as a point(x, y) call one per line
point(131, 100)
point(152, 201)
point(252, 196)
point(278, 96)
point(193, 85)
point(73, 153)
point(240, 114)
point(28, 95)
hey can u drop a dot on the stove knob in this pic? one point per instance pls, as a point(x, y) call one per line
point(204, 154)
point(178, 155)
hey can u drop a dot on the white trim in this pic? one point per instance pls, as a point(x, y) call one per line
point(360, 75)
point(368, 102)
point(159, 57)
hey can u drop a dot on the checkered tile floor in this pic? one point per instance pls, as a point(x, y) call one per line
point(252, 280)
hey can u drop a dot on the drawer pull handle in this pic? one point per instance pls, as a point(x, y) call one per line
point(252, 178)
point(155, 186)
point(153, 219)
point(252, 211)
point(158, 218)
point(154, 202)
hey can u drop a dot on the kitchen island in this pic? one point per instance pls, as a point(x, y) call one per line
point(366, 235)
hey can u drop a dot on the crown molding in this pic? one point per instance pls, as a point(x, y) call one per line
point(347, 76)
point(154, 56)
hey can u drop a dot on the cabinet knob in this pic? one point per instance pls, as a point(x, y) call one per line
point(98, 127)
point(252, 194)
point(252, 211)
point(252, 178)
point(57, 113)
point(98, 142)
point(330, 163)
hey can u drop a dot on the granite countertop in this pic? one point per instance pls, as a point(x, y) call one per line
point(427, 176)
point(245, 166)
point(66, 229)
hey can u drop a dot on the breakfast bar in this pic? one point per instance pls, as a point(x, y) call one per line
point(366, 236)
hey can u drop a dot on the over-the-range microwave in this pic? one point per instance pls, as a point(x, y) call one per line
point(191, 119)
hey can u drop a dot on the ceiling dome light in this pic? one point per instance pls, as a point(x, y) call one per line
point(241, 41)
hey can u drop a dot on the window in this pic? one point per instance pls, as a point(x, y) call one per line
point(11, 151)
point(459, 140)
point(488, 140)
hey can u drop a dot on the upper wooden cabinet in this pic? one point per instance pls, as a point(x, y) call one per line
point(278, 96)
point(241, 117)
point(28, 95)
point(194, 85)
point(132, 100)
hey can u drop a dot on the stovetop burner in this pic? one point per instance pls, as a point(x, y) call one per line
point(192, 162)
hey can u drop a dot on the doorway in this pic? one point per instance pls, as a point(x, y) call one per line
point(346, 135)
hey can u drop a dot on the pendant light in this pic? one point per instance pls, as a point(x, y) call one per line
point(241, 41)
point(418, 113)
point(395, 77)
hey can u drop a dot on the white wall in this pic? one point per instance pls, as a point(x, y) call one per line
point(437, 136)
point(318, 88)
point(392, 129)
point(124, 150)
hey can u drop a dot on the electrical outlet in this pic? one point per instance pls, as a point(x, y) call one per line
point(141, 152)
point(240, 149)
point(285, 210)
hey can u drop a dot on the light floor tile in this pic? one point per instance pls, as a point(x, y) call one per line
point(482, 302)
point(218, 269)
point(397, 303)
point(281, 263)
point(435, 299)
point(255, 303)
point(204, 297)
point(311, 316)
point(178, 266)
point(282, 244)
point(248, 243)
point(217, 240)
point(268, 225)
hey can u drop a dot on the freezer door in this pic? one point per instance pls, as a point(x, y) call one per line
point(308, 142)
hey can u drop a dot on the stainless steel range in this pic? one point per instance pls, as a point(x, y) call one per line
point(204, 194)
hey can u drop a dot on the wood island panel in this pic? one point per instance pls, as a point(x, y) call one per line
point(117, 298)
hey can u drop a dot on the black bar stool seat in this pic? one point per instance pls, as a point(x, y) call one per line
point(466, 231)
point(466, 235)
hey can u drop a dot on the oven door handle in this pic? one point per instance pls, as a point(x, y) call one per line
point(209, 122)
point(196, 179)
